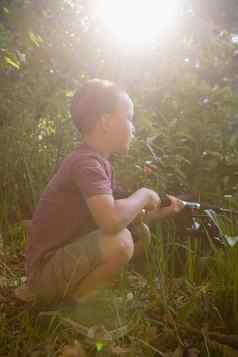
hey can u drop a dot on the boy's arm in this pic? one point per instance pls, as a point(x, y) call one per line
point(114, 215)
point(93, 181)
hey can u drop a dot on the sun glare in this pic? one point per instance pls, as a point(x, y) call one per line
point(136, 22)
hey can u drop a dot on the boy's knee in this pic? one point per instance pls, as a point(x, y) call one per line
point(119, 247)
point(126, 244)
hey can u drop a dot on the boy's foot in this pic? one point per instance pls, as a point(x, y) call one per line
point(100, 308)
point(102, 314)
point(23, 293)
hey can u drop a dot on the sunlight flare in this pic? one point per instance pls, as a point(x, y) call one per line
point(136, 22)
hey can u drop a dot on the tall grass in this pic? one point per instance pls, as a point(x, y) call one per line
point(185, 297)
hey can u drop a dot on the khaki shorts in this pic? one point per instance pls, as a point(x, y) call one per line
point(61, 274)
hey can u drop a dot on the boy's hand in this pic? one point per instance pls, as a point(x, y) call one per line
point(159, 213)
point(176, 205)
point(153, 200)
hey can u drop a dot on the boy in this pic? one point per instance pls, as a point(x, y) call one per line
point(79, 239)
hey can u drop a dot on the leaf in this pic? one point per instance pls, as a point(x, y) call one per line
point(214, 154)
point(69, 93)
point(179, 172)
point(231, 240)
point(10, 61)
point(36, 39)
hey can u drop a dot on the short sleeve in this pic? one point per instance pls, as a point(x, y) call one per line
point(91, 177)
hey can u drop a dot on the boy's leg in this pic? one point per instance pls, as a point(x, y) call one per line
point(142, 238)
point(116, 251)
point(88, 263)
point(79, 268)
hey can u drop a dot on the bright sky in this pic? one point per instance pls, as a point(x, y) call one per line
point(137, 22)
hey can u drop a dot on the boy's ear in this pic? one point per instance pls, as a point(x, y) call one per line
point(106, 121)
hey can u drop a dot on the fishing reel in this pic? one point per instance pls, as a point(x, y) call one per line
point(203, 222)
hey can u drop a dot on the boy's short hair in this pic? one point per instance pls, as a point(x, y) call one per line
point(95, 98)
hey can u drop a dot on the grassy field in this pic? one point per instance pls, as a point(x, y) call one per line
point(184, 304)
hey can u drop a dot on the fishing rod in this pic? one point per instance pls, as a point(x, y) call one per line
point(165, 201)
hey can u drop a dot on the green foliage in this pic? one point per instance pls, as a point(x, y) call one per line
point(185, 95)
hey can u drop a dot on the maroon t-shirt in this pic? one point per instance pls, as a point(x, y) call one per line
point(62, 214)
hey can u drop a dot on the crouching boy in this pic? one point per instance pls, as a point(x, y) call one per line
point(79, 240)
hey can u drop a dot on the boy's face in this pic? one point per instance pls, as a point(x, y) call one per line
point(122, 130)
